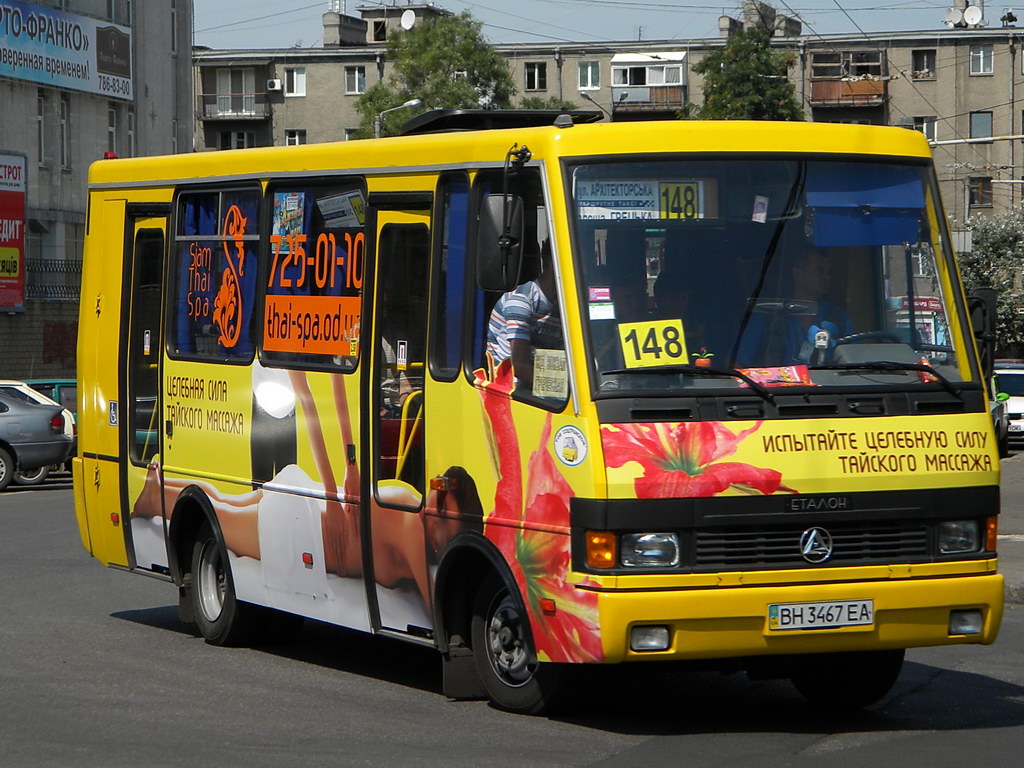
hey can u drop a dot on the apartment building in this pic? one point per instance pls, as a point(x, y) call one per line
point(957, 84)
point(78, 79)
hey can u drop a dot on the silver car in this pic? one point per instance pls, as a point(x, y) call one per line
point(31, 436)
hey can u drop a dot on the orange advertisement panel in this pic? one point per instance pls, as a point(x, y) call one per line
point(13, 184)
point(324, 325)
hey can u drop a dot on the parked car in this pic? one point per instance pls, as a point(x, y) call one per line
point(31, 437)
point(62, 391)
point(1010, 381)
point(20, 390)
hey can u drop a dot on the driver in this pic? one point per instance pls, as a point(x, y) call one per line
point(792, 336)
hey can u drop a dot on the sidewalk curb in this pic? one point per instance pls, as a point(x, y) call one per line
point(1014, 593)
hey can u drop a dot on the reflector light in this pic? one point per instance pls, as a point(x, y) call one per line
point(108, 155)
point(307, 559)
point(547, 606)
point(115, 518)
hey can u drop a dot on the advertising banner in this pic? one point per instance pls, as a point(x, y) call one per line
point(13, 186)
point(63, 50)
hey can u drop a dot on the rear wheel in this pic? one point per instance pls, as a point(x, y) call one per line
point(31, 476)
point(848, 680)
point(222, 619)
point(6, 468)
point(505, 658)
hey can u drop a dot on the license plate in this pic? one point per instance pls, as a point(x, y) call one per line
point(823, 615)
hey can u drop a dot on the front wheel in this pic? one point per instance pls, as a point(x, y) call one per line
point(221, 618)
point(848, 680)
point(31, 476)
point(505, 657)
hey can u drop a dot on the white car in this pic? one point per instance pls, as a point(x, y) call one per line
point(1011, 382)
point(19, 390)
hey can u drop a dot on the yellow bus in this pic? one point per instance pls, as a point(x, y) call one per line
point(539, 392)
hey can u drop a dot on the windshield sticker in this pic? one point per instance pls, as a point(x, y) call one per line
point(652, 344)
point(760, 209)
point(780, 376)
point(550, 374)
point(599, 293)
point(570, 446)
point(344, 210)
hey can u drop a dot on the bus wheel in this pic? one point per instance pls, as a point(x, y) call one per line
point(6, 469)
point(504, 658)
point(221, 618)
point(848, 680)
point(31, 476)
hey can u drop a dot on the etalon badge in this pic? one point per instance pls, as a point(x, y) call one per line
point(816, 545)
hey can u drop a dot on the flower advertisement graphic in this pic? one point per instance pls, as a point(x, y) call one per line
point(532, 535)
point(682, 460)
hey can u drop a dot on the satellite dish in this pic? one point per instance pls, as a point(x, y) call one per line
point(972, 15)
point(954, 16)
point(408, 19)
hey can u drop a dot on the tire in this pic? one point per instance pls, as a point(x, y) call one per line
point(848, 680)
point(504, 656)
point(221, 618)
point(31, 476)
point(6, 468)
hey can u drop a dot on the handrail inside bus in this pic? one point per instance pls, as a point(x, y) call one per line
point(405, 441)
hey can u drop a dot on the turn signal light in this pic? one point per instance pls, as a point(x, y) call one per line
point(991, 530)
point(601, 549)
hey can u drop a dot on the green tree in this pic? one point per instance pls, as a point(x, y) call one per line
point(551, 102)
point(996, 260)
point(747, 80)
point(446, 63)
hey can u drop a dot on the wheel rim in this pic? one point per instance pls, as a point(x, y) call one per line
point(4, 467)
point(32, 474)
point(507, 648)
point(211, 580)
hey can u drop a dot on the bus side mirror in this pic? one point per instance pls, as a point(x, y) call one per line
point(982, 307)
point(499, 242)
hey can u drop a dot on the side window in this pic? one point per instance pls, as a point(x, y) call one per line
point(315, 275)
point(216, 237)
point(524, 325)
point(449, 276)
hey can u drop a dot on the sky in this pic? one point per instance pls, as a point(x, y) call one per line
point(296, 23)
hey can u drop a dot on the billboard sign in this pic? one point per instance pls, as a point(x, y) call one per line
point(63, 50)
point(13, 187)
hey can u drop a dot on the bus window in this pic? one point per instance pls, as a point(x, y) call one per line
point(524, 325)
point(449, 277)
point(314, 275)
point(215, 268)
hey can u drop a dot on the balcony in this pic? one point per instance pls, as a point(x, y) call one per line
point(233, 106)
point(848, 93)
point(647, 98)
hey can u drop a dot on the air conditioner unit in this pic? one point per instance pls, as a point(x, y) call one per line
point(274, 85)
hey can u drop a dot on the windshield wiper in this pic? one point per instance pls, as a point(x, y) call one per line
point(699, 370)
point(890, 365)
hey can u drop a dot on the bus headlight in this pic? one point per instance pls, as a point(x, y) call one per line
point(649, 550)
point(959, 536)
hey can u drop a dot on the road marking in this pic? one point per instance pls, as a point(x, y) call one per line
point(1011, 537)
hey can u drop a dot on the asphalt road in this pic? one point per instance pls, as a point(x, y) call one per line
point(96, 670)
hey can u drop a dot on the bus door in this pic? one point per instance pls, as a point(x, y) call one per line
point(139, 409)
point(398, 590)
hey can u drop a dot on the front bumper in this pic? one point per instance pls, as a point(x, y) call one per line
point(731, 621)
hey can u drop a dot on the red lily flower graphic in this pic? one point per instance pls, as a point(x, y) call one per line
point(682, 460)
point(533, 537)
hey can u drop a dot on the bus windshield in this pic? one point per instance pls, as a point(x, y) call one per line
point(732, 272)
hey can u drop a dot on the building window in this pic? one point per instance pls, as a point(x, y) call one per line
point(923, 65)
point(294, 136)
point(350, 133)
point(130, 150)
point(846, 64)
point(355, 79)
point(41, 125)
point(63, 136)
point(174, 26)
point(128, 15)
point(112, 10)
point(237, 139)
point(294, 81)
point(981, 125)
point(112, 128)
point(980, 191)
point(536, 76)
point(648, 74)
point(380, 31)
point(981, 59)
point(926, 125)
point(589, 75)
point(236, 91)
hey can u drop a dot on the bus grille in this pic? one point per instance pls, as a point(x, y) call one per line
point(739, 548)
